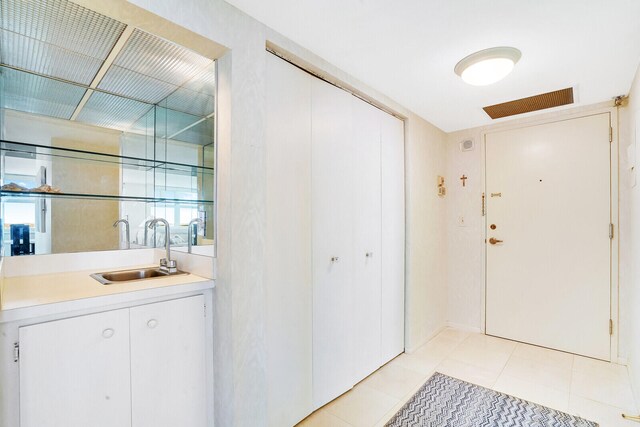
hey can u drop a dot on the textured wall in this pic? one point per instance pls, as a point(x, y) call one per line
point(630, 237)
point(240, 381)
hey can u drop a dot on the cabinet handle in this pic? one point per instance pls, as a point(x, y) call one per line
point(108, 333)
point(335, 259)
point(152, 323)
point(369, 255)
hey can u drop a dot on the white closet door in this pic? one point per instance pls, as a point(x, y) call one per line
point(289, 281)
point(75, 372)
point(168, 388)
point(393, 236)
point(332, 201)
point(367, 235)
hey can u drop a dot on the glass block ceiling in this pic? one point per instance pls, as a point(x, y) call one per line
point(62, 60)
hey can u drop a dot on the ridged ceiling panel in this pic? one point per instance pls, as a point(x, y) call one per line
point(62, 23)
point(47, 59)
point(185, 127)
point(196, 96)
point(112, 111)
point(162, 60)
point(39, 95)
point(135, 85)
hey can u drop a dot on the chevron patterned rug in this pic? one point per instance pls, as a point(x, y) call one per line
point(448, 402)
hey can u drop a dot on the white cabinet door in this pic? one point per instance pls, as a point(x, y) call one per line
point(332, 201)
point(75, 372)
point(168, 385)
point(289, 289)
point(367, 230)
point(393, 236)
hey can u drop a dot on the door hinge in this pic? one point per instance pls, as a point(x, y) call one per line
point(610, 326)
point(610, 134)
point(16, 352)
point(610, 231)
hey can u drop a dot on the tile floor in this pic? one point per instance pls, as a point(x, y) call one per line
point(592, 389)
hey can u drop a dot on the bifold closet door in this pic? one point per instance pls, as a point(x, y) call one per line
point(332, 224)
point(367, 235)
point(288, 290)
point(393, 236)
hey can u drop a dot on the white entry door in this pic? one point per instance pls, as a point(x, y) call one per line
point(548, 206)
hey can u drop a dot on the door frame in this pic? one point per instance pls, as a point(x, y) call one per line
point(614, 204)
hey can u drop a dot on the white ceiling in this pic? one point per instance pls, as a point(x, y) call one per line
point(407, 49)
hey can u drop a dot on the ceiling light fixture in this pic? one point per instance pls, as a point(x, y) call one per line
point(487, 66)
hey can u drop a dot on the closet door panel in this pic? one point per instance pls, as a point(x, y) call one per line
point(367, 238)
point(332, 235)
point(393, 236)
point(289, 281)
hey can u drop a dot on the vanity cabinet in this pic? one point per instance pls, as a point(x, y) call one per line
point(140, 367)
point(335, 166)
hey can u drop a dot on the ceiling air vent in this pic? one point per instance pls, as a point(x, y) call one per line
point(532, 103)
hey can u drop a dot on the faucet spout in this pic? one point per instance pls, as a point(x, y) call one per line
point(126, 227)
point(166, 264)
point(199, 223)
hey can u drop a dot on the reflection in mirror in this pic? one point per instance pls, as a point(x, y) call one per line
point(134, 144)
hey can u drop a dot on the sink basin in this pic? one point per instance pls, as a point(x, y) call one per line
point(111, 277)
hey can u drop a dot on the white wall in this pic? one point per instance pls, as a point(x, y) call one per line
point(240, 381)
point(630, 237)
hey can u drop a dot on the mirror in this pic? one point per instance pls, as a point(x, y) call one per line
point(131, 140)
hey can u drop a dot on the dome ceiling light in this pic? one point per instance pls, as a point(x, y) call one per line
point(487, 66)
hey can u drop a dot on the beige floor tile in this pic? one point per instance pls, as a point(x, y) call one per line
point(362, 406)
point(389, 414)
point(323, 418)
point(394, 380)
point(485, 352)
point(422, 364)
point(438, 348)
point(540, 371)
point(466, 372)
point(454, 334)
point(611, 390)
point(552, 358)
point(599, 368)
point(533, 391)
point(605, 415)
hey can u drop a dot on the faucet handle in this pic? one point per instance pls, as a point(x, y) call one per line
point(163, 262)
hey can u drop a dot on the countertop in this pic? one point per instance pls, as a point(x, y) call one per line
point(27, 296)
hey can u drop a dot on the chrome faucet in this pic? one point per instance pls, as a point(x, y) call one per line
point(199, 223)
point(126, 227)
point(146, 233)
point(166, 264)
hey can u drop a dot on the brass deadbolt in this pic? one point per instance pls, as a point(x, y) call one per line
point(493, 226)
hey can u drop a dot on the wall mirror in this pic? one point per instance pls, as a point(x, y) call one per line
point(101, 121)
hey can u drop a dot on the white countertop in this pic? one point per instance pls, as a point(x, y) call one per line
point(59, 291)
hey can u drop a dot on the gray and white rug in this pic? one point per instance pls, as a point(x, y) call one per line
point(448, 402)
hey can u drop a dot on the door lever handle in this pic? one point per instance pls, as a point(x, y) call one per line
point(493, 241)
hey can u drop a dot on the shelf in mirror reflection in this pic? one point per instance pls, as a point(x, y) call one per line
point(42, 152)
point(34, 195)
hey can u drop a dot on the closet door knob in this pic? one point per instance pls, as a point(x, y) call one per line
point(108, 333)
point(335, 259)
point(152, 323)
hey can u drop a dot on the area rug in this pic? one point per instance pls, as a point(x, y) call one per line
point(448, 402)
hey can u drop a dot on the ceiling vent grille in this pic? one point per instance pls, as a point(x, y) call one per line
point(532, 103)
